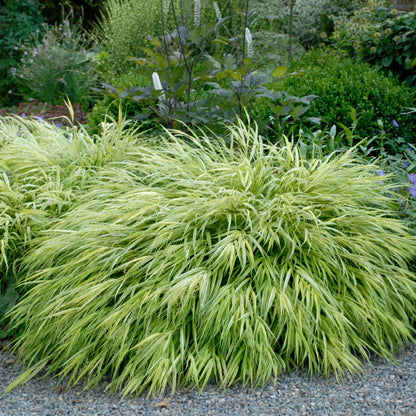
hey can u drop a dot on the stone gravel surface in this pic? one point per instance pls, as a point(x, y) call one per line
point(383, 389)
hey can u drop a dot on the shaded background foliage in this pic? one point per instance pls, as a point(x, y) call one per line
point(89, 10)
point(19, 20)
point(381, 35)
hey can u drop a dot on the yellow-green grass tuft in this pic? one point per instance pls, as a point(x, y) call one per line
point(195, 259)
point(43, 169)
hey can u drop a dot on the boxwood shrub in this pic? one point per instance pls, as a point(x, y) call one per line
point(340, 83)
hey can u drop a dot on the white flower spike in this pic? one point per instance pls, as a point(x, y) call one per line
point(156, 81)
point(217, 11)
point(157, 84)
point(249, 40)
point(197, 13)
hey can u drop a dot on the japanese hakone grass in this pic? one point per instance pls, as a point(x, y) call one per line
point(43, 170)
point(232, 261)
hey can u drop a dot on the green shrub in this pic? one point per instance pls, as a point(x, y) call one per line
point(109, 106)
point(340, 83)
point(381, 35)
point(59, 66)
point(191, 259)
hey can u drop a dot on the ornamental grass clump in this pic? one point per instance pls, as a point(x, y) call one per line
point(43, 169)
point(196, 259)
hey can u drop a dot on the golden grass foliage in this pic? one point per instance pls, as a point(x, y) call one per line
point(42, 170)
point(191, 259)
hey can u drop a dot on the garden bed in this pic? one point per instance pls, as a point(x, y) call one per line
point(57, 114)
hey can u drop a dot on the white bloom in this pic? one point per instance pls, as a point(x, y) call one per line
point(217, 11)
point(197, 13)
point(166, 7)
point(156, 81)
point(249, 40)
point(157, 84)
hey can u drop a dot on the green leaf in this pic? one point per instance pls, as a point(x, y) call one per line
point(254, 81)
point(223, 92)
point(315, 120)
point(280, 71)
point(387, 60)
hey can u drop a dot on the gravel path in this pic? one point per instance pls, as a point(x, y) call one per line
point(384, 389)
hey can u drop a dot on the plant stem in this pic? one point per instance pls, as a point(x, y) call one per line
point(189, 68)
point(234, 33)
point(244, 29)
point(165, 44)
point(182, 13)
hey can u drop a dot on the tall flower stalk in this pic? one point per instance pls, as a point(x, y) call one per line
point(197, 13)
point(217, 11)
point(157, 84)
point(249, 40)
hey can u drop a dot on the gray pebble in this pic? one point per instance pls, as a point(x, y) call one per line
point(384, 389)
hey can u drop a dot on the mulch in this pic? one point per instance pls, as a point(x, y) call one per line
point(57, 114)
